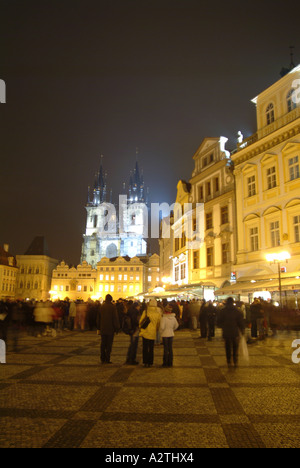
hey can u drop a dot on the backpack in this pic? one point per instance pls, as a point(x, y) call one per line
point(126, 325)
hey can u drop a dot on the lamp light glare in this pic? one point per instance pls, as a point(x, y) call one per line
point(278, 257)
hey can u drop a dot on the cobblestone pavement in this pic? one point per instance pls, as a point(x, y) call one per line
point(55, 393)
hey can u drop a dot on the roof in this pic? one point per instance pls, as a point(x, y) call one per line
point(38, 246)
point(5, 256)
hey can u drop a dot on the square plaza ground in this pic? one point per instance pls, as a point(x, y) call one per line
point(55, 393)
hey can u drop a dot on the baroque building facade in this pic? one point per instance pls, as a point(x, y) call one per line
point(204, 242)
point(8, 274)
point(267, 173)
point(121, 277)
point(35, 269)
point(251, 207)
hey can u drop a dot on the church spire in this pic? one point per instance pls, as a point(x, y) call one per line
point(136, 184)
point(100, 186)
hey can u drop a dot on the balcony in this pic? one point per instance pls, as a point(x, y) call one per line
point(268, 129)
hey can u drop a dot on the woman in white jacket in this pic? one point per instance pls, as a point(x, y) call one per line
point(168, 325)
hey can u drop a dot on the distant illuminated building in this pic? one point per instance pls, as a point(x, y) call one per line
point(35, 271)
point(8, 273)
point(115, 230)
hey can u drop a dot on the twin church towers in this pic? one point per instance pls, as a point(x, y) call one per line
point(115, 230)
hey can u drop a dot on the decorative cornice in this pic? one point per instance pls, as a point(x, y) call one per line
point(266, 143)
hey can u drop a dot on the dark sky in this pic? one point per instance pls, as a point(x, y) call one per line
point(86, 78)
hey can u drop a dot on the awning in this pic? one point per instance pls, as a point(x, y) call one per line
point(287, 284)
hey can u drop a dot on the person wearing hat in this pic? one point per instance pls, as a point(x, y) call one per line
point(168, 325)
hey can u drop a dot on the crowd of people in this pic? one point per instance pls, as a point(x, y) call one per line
point(154, 322)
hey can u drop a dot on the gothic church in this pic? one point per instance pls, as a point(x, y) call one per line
point(115, 230)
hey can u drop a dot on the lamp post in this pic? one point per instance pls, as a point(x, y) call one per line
point(278, 258)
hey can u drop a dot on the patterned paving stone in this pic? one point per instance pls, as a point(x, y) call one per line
point(55, 393)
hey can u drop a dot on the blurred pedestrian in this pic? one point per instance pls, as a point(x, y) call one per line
point(134, 315)
point(203, 320)
point(211, 320)
point(107, 324)
point(232, 322)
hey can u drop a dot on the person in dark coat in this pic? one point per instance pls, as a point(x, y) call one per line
point(134, 312)
point(232, 322)
point(107, 325)
point(203, 319)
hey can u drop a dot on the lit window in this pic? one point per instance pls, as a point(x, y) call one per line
point(196, 259)
point(297, 228)
point(209, 220)
point(200, 193)
point(224, 215)
point(217, 184)
point(210, 256)
point(275, 234)
point(251, 186)
point(254, 246)
point(225, 253)
point(270, 114)
point(271, 177)
point(101, 277)
point(294, 168)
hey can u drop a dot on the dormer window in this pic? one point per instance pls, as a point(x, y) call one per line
point(270, 115)
point(291, 105)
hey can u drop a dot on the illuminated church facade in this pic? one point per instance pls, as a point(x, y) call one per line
point(115, 230)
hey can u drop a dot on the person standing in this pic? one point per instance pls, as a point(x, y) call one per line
point(168, 325)
point(134, 315)
point(107, 325)
point(153, 312)
point(232, 323)
point(203, 319)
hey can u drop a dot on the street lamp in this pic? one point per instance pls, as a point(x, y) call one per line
point(278, 258)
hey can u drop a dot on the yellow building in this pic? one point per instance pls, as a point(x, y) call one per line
point(204, 246)
point(267, 172)
point(121, 277)
point(8, 273)
point(212, 184)
point(35, 271)
point(73, 283)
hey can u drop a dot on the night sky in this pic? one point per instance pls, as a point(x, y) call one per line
point(86, 78)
